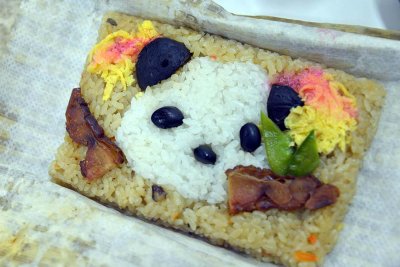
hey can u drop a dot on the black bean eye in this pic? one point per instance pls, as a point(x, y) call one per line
point(250, 137)
point(167, 117)
point(205, 154)
point(281, 99)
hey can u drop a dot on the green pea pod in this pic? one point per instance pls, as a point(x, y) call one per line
point(277, 146)
point(306, 158)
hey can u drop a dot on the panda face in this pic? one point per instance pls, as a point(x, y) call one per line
point(216, 99)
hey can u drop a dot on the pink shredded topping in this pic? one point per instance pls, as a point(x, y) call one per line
point(119, 49)
point(318, 92)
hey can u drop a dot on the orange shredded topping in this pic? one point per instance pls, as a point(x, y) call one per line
point(305, 256)
point(312, 239)
point(213, 57)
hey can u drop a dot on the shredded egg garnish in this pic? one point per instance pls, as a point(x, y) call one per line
point(146, 30)
point(113, 58)
point(330, 131)
point(329, 109)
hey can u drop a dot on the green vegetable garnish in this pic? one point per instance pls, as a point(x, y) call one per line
point(282, 158)
point(277, 146)
point(306, 158)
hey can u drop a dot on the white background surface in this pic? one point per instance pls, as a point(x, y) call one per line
point(384, 14)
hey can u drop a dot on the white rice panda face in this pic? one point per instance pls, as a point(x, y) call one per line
point(216, 100)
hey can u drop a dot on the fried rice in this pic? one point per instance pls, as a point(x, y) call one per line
point(273, 235)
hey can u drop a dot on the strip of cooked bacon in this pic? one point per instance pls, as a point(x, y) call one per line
point(102, 154)
point(251, 188)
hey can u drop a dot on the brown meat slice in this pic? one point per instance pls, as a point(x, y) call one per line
point(251, 188)
point(244, 191)
point(322, 197)
point(251, 171)
point(102, 154)
point(277, 192)
point(75, 114)
point(302, 187)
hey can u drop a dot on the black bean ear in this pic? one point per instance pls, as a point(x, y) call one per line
point(281, 99)
point(158, 60)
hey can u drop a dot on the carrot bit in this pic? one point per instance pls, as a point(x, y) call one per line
point(213, 57)
point(264, 253)
point(176, 216)
point(312, 239)
point(305, 256)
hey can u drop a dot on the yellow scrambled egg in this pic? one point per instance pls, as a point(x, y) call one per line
point(113, 58)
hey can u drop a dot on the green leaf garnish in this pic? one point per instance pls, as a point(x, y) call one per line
point(277, 146)
point(282, 158)
point(306, 158)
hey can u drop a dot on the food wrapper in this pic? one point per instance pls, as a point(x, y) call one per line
point(42, 223)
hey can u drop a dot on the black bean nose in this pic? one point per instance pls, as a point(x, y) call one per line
point(167, 117)
point(250, 137)
point(205, 154)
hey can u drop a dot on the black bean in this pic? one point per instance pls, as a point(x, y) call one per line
point(280, 101)
point(157, 193)
point(205, 154)
point(159, 59)
point(167, 117)
point(250, 137)
point(112, 22)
